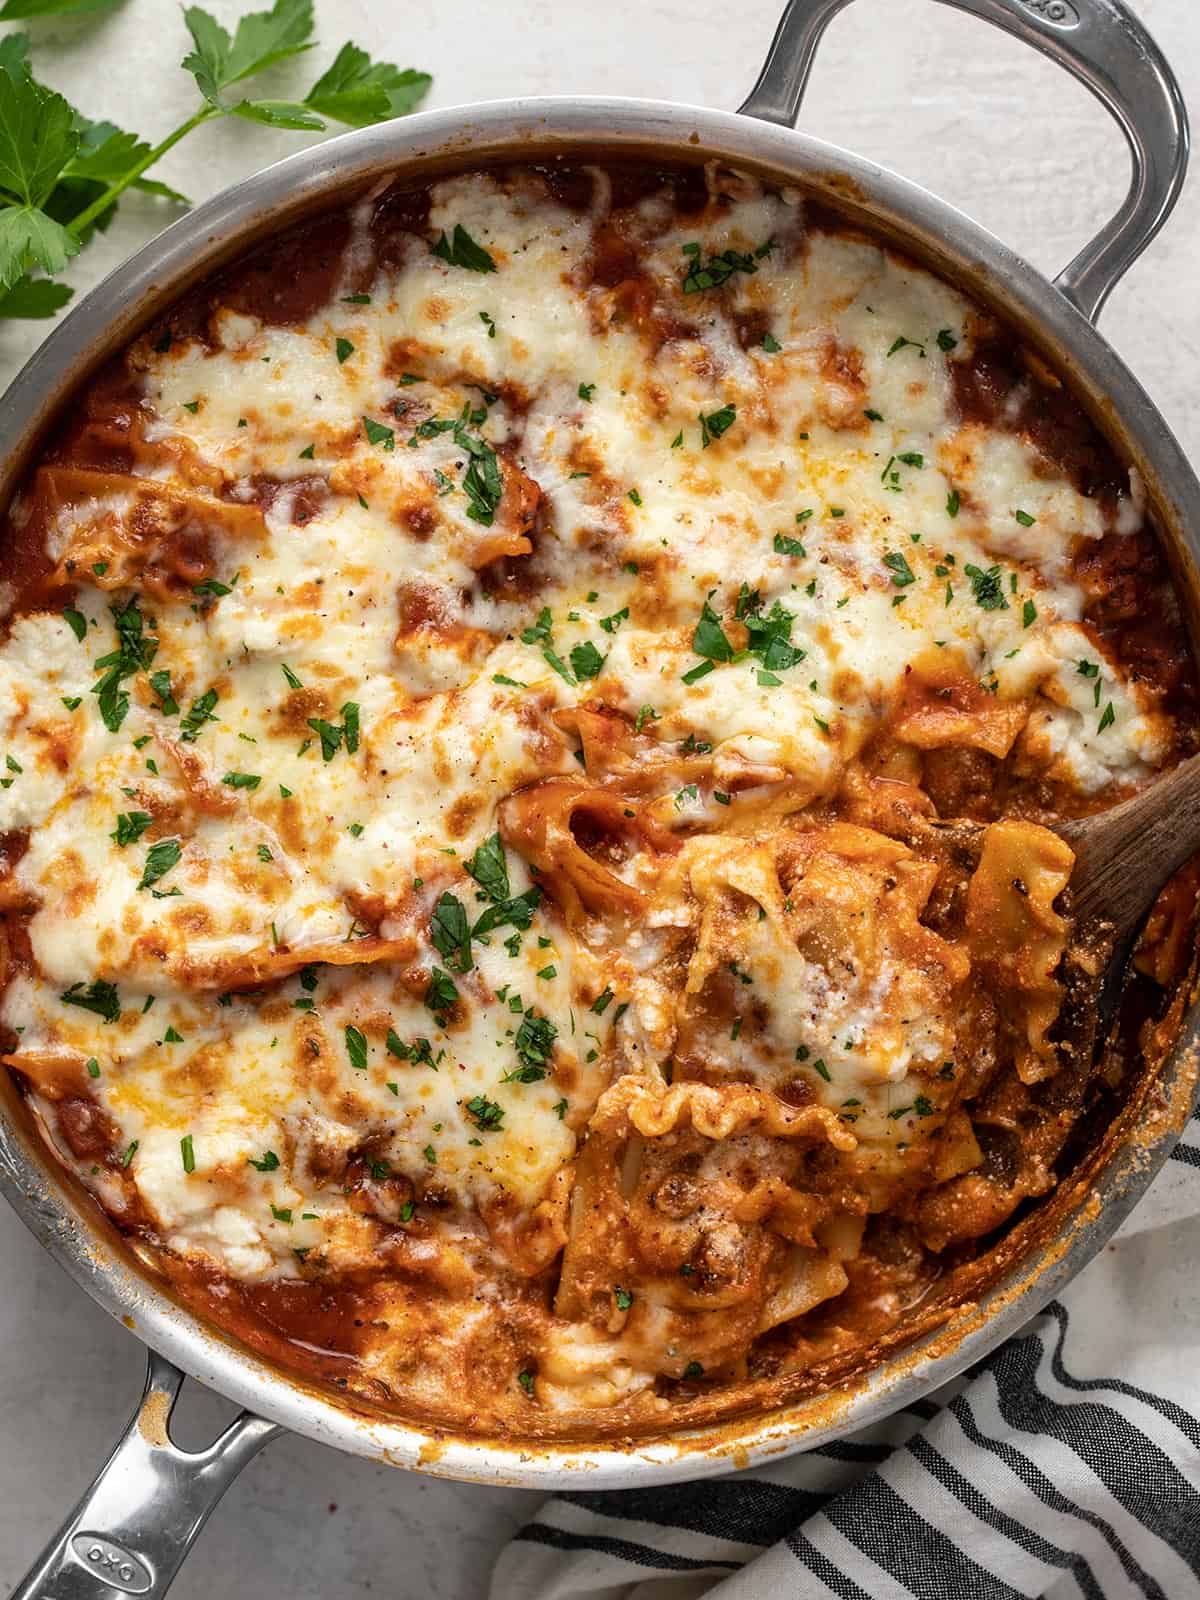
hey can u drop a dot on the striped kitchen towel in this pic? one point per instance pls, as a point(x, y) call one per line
point(1066, 1466)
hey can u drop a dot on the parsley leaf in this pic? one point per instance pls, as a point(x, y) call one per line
point(131, 825)
point(450, 933)
point(200, 712)
point(358, 91)
point(356, 1047)
point(987, 587)
point(709, 638)
point(715, 424)
point(442, 992)
point(586, 660)
point(902, 573)
point(718, 269)
point(489, 867)
point(160, 858)
point(462, 251)
point(160, 682)
point(377, 433)
point(518, 911)
point(100, 996)
point(485, 1113)
point(135, 651)
point(534, 1045)
point(261, 39)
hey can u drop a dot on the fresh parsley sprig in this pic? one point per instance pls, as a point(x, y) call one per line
point(62, 174)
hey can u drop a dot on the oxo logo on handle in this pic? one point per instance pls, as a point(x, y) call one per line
point(1059, 13)
point(118, 1568)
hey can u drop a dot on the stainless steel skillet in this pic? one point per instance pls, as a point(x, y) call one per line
point(135, 1524)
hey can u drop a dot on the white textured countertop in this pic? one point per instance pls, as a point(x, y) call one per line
point(939, 97)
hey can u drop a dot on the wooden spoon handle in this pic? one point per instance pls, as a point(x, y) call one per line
point(1124, 856)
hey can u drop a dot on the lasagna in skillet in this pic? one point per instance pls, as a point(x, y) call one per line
point(494, 687)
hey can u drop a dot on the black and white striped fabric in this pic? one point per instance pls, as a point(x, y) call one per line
point(1066, 1467)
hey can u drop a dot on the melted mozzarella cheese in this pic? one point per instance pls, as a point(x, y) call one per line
point(843, 488)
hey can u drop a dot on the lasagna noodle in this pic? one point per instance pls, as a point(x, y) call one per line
point(492, 889)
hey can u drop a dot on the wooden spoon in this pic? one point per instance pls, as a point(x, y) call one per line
point(1123, 856)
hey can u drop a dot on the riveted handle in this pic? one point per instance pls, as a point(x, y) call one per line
point(1101, 43)
point(131, 1530)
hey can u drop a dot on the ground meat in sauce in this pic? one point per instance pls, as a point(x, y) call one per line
point(323, 1327)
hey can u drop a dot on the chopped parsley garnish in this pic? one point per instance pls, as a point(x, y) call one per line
point(902, 343)
point(134, 653)
point(160, 858)
point(160, 682)
point(488, 324)
point(518, 911)
point(953, 501)
point(1028, 614)
point(130, 1153)
point(489, 867)
point(131, 825)
point(242, 780)
point(586, 660)
point(788, 547)
point(821, 1069)
point(331, 734)
point(902, 573)
point(602, 1002)
point(200, 712)
point(946, 340)
point(645, 714)
point(419, 1052)
point(269, 1162)
point(623, 1298)
point(93, 1067)
point(586, 391)
point(212, 586)
point(486, 1114)
point(450, 933)
point(72, 702)
point(715, 424)
point(534, 1045)
point(872, 415)
point(377, 433)
point(356, 1047)
point(460, 250)
point(718, 269)
point(1024, 519)
point(709, 638)
point(525, 1379)
point(987, 587)
point(76, 621)
point(635, 497)
point(771, 345)
point(344, 350)
point(187, 1153)
point(100, 996)
point(1109, 717)
point(441, 993)
point(307, 453)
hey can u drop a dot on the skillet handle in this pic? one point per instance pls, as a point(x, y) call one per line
point(1101, 43)
point(131, 1530)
